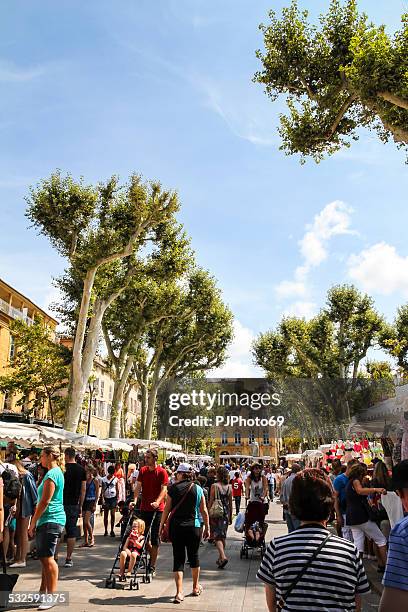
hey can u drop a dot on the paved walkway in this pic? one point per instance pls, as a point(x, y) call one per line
point(234, 589)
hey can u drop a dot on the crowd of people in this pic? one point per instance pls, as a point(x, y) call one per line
point(335, 518)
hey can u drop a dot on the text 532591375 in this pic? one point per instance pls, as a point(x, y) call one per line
point(22, 597)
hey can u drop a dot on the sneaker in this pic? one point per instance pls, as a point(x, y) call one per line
point(19, 564)
point(152, 570)
point(46, 606)
point(112, 534)
point(68, 563)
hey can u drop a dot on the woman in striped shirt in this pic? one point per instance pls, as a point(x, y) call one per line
point(334, 579)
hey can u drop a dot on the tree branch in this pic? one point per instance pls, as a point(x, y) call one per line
point(309, 90)
point(343, 109)
point(393, 99)
point(108, 343)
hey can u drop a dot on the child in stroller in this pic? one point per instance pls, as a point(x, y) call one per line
point(132, 548)
point(254, 528)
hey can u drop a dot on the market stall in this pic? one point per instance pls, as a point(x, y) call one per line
point(312, 458)
point(144, 444)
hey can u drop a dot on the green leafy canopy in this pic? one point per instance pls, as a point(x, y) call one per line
point(345, 74)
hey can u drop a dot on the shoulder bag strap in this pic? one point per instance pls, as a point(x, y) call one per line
point(173, 510)
point(282, 601)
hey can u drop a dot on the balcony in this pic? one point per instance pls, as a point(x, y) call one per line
point(15, 313)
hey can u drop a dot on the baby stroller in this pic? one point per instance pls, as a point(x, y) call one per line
point(254, 516)
point(141, 570)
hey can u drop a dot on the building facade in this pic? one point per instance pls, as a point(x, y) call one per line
point(14, 305)
point(256, 441)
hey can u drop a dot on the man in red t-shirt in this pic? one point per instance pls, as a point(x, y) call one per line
point(237, 485)
point(152, 483)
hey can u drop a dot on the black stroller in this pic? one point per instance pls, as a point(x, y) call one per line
point(254, 514)
point(141, 571)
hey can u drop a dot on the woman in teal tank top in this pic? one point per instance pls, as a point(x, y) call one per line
point(49, 520)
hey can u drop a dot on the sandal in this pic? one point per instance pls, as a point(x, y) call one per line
point(198, 592)
point(223, 564)
point(178, 599)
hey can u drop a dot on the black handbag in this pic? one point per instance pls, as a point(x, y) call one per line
point(7, 582)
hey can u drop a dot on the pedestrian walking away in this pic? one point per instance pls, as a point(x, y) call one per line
point(74, 495)
point(311, 569)
point(237, 486)
point(185, 507)
point(220, 511)
point(292, 522)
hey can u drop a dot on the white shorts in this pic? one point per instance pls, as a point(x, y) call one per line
point(369, 529)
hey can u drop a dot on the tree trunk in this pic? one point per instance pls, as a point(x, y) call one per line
point(118, 393)
point(151, 405)
point(51, 409)
point(154, 385)
point(81, 374)
point(144, 402)
point(125, 411)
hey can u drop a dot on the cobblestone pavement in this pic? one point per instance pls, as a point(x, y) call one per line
point(233, 589)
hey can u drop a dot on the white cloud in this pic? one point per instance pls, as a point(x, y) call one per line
point(312, 249)
point(53, 296)
point(10, 73)
point(301, 309)
point(333, 220)
point(239, 363)
point(380, 269)
point(290, 288)
point(246, 116)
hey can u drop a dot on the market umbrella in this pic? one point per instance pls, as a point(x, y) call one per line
point(151, 443)
point(24, 435)
point(89, 442)
point(115, 445)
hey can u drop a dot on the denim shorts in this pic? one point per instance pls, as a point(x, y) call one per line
point(72, 515)
point(110, 503)
point(46, 539)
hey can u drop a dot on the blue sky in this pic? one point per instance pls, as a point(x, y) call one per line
point(164, 88)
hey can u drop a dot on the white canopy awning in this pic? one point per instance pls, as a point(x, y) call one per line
point(22, 434)
point(312, 453)
point(176, 454)
point(115, 445)
point(199, 458)
point(149, 443)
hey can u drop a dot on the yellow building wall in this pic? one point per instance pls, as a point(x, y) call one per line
point(14, 305)
point(265, 450)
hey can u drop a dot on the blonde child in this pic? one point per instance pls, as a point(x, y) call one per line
point(132, 548)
